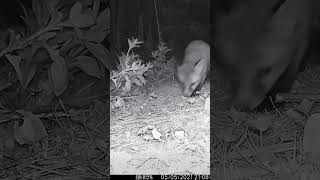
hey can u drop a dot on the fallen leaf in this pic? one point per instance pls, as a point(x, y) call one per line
point(153, 95)
point(262, 123)
point(119, 102)
point(266, 157)
point(305, 106)
point(156, 134)
point(228, 134)
point(237, 116)
point(147, 137)
point(32, 129)
point(179, 134)
point(295, 115)
point(191, 100)
point(311, 143)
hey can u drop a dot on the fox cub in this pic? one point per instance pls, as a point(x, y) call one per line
point(195, 66)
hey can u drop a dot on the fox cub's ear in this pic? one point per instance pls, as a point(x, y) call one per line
point(199, 66)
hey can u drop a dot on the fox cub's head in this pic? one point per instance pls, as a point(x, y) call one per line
point(190, 77)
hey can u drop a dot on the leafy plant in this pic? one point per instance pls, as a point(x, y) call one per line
point(160, 56)
point(59, 42)
point(130, 69)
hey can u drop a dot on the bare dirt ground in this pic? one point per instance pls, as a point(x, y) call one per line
point(160, 132)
